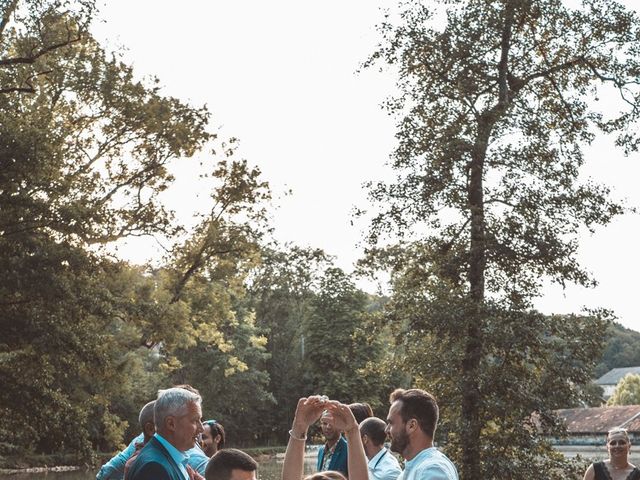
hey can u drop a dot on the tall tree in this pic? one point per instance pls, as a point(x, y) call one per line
point(498, 100)
point(84, 150)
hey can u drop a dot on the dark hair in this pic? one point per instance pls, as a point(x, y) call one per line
point(374, 428)
point(326, 475)
point(418, 404)
point(224, 461)
point(361, 411)
point(216, 429)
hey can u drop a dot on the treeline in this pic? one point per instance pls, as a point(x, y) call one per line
point(621, 350)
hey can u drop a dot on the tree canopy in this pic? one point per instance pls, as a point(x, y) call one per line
point(497, 102)
point(627, 391)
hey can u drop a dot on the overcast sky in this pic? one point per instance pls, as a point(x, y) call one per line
point(281, 76)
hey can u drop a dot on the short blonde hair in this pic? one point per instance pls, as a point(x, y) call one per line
point(618, 431)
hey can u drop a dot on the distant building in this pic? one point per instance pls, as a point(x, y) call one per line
point(589, 426)
point(610, 380)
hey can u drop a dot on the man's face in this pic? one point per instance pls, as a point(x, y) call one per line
point(208, 441)
point(618, 446)
point(396, 428)
point(328, 429)
point(238, 474)
point(187, 427)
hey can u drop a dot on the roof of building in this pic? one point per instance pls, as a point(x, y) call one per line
point(601, 419)
point(612, 377)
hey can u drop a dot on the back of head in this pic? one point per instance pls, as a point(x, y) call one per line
point(222, 464)
point(172, 402)
point(146, 414)
point(361, 411)
point(374, 428)
point(326, 475)
point(418, 404)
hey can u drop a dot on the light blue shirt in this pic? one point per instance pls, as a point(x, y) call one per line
point(384, 466)
point(179, 457)
point(197, 459)
point(429, 464)
point(114, 468)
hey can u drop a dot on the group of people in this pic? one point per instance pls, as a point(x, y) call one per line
point(175, 444)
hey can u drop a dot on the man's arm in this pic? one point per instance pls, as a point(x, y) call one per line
point(114, 468)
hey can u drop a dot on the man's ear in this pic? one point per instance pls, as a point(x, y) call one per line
point(365, 439)
point(149, 429)
point(412, 425)
point(170, 423)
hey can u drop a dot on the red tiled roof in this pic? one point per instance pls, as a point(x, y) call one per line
point(601, 419)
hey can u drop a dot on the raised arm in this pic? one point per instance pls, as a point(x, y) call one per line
point(346, 422)
point(308, 412)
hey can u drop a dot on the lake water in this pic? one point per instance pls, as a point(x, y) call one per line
point(268, 470)
point(271, 469)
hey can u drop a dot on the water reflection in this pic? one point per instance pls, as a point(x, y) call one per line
point(268, 470)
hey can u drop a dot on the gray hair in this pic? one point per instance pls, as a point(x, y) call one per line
point(173, 402)
point(618, 430)
point(146, 414)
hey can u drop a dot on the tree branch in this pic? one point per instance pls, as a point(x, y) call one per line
point(43, 51)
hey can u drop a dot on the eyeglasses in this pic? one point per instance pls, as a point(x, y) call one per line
point(211, 423)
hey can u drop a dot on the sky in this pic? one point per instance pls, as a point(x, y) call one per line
point(283, 77)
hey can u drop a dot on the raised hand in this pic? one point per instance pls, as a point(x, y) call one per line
point(343, 418)
point(309, 410)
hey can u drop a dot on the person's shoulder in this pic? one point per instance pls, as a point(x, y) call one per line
point(437, 466)
point(390, 461)
point(153, 451)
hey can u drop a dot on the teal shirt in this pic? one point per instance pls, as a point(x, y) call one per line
point(181, 458)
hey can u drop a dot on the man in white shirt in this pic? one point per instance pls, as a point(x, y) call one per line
point(382, 464)
point(411, 425)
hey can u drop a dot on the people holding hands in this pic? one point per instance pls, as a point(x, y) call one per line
point(308, 411)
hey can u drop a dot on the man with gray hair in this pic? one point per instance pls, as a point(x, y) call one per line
point(178, 414)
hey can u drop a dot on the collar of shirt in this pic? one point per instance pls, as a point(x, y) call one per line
point(373, 463)
point(179, 457)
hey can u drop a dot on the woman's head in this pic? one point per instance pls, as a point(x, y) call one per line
point(361, 411)
point(618, 443)
point(212, 437)
point(326, 475)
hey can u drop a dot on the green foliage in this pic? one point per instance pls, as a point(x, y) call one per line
point(495, 108)
point(627, 391)
point(622, 349)
point(338, 343)
point(84, 151)
point(323, 334)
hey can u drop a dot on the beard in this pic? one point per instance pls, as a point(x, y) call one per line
point(399, 442)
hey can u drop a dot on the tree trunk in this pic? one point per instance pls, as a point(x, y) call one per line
point(471, 423)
